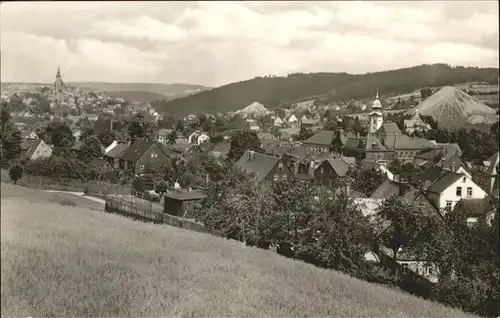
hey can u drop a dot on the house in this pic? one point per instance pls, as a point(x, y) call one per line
point(265, 167)
point(278, 121)
point(143, 155)
point(455, 164)
point(198, 138)
point(328, 172)
point(405, 148)
point(178, 202)
point(32, 135)
point(307, 123)
point(450, 187)
point(184, 149)
point(112, 154)
point(415, 124)
point(486, 175)
point(35, 149)
point(321, 141)
point(104, 123)
point(475, 209)
point(101, 166)
point(369, 148)
point(292, 119)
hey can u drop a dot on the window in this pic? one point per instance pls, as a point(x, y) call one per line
point(285, 177)
point(276, 177)
point(449, 204)
point(154, 155)
point(459, 191)
point(141, 167)
point(469, 191)
point(321, 170)
point(280, 165)
point(464, 179)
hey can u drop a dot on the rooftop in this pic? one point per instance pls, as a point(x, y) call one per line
point(258, 163)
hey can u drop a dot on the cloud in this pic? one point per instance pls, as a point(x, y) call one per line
point(216, 43)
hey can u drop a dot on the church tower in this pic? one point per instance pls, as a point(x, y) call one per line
point(376, 116)
point(58, 85)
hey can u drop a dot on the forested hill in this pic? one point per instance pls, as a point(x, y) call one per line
point(275, 91)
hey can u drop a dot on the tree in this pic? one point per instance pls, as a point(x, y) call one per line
point(336, 144)
point(5, 117)
point(276, 131)
point(106, 137)
point(11, 145)
point(495, 131)
point(138, 128)
point(242, 141)
point(86, 133)
point(172, 137)
point(161, 188)
point(367, 180)
point(304, 134)
point(60, 135)
point(406, 223)
point(91, 149)
point(15, 172)
point(425, 92)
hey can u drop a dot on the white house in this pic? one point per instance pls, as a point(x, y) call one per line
point(278, 121)
point(292, 119)
point(36, 149)
point(451, 187)
point(198, 138)
point(32, 135)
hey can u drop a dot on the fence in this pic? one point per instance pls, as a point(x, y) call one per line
point(142, 210)
point(48, 183)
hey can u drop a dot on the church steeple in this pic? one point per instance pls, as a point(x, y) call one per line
point(58, 72)
point(376, 116)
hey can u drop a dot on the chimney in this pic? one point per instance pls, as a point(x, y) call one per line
point(111, 124)
point(453, 167)
point(251, 154)
point(190, 189)
point(207, 178)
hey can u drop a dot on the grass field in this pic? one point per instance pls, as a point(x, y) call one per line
point(62, 256)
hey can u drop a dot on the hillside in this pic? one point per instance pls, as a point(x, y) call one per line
point(61, 260)
point(453, 109)
point(137, 95)
point(276, 91)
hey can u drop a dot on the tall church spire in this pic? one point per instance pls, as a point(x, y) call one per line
point(58, 72)
point(377, 94)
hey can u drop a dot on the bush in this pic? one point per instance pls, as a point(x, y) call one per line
point(16, 172)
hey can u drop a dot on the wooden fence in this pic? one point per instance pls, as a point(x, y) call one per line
point(142, 210)
point(64, 184)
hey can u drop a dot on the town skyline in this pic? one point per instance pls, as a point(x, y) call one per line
point(161, 42)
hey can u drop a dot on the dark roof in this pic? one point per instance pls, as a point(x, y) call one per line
point(299, 152)
point(102, 124)
point(431, 175)
point(323, 137)
point(446, 180)
point(386, 190)
point(474, 207)
point(401, 142)
point(29, 146)
point(428, 155)
point(389, 128)
point(367, 143)
point(452, 161)
point(258, 163)
point(349, 160)
point(117, 151)
point(450, 149)
point(340, 167)
point(185, 195)
point(136, 150)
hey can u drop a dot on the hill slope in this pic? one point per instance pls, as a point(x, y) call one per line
point(274, 91)
point(71, 261)
point(453, 109)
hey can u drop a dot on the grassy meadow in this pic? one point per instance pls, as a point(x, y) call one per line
point(62, 256)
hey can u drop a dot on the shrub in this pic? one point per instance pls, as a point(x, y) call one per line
point(16, 172)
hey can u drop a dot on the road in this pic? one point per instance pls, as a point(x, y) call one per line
point(80, 194)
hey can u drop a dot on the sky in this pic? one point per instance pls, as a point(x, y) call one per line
point(216, 43)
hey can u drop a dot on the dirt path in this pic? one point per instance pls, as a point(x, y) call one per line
point(80, 194)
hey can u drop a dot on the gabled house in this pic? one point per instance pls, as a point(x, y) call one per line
point(321, 141)
point(292, 119)
point(198, 138)
point(369, 148)
point(450, 187)
point(415, 124)
point(112, 155)
point(35, 149)
point(278, 121)
point(328, 172)
point(162, 136)
point(454, 164)
point(390, 188)
point(307, 123)
point(476, 209)
point(265, 167)
point(486, 175)
point(143, 155)
point(30, 136)
point(178, 202)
